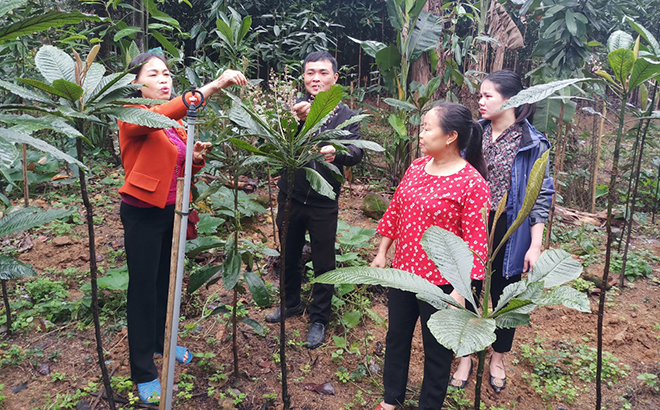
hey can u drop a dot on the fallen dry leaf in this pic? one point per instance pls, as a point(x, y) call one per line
point(324, 389)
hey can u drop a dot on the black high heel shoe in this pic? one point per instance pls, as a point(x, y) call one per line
point(460, 384)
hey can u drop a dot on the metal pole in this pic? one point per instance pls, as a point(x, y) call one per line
point(193, 99)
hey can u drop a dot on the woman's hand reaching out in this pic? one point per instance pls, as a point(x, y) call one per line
point(200, 150)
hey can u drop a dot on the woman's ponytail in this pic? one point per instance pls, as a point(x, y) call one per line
point(474, 151)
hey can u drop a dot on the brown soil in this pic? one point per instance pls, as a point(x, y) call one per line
point(632, 334)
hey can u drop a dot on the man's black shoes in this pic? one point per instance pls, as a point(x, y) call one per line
point(275, 315)
point(316, 335)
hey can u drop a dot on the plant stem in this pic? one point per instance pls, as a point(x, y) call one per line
point(5, 298)
point(611, 197)
point(480, 376)
point(290, 175)
point(93, 270)
point(237, 226)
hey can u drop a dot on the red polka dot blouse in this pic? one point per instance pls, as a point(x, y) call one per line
point(422, 200)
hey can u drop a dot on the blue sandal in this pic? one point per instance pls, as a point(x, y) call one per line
point(149, 392)
point(181, 354)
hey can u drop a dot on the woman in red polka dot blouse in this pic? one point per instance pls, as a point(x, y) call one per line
point(441, 189)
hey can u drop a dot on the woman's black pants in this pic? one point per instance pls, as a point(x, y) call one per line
point(148, 244)
point(404, 309)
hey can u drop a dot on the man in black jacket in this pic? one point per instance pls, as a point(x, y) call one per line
point(311, 211)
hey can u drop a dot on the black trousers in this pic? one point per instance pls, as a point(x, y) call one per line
point(498, 282)
point(148, 243)
point(404, 309)
point(322, 226)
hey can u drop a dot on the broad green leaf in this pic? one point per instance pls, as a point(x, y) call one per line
point(8, 5)
point(510, 292)
point(231, 269)
point(70, 91)
point(55, 64)
point(643, 70)
point(362, 144)
point(425, 35)
point(462, 331)
point(245, 28)
point(648, 36)
point(28, 218)
point(114, 280)
point(394, 278)
point(567, 296)
point(138, 101)
point(167, 45)
point(319, 184)
point(28, 122)
point(127, 31)
point(539, 92)
point(534, 185)
point(261, 127)
point(140, 116)
point(8, 153)
point(453, 258)
point(511, 320)
point(10, 268)
point(256, 326)
point(353, 120)
point(18, 138)
point(200, 277)
point(25, 93)
point(115, 93)
point(605, 75)
point(516, 304)
point(397, 124)
point(41, 22)
point(621, 62)
point(351, 318)
point(109, 82)
point(258, 289)
point(555, 267)
point(203, 243)
point(370, 47)
point(322, 106)
point(388, 57)
point(403, 105)
point(208, 224)
point(571, 25)
point(40, 85)
point(245, 145)
point(394, 14)
point(92, 79)
point(620, 40)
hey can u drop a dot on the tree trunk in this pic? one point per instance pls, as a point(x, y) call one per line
point(93, 270)
point(138, 21)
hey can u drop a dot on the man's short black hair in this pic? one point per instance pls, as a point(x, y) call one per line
point(320, 56)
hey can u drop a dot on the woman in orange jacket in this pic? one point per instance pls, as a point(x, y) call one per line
point(153, 158)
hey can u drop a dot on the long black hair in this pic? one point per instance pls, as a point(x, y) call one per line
point(508, 84)
point(455, 117)
point(138, 62)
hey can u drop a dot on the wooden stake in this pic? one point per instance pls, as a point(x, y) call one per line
point(172, 292)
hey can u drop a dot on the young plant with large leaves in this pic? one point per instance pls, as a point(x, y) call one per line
point(79, 93)
point(281, 142)
point(463, 331)
point(16, 221)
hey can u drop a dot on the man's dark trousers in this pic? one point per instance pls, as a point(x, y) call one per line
point(322, 226)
